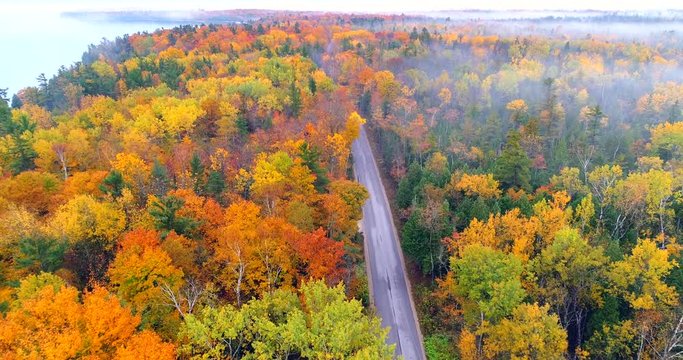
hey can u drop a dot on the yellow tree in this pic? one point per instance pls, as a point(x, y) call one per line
point(167, 116)
point(339, 152)
point(531, 333)
point(299, 180)
point(67, 148)
point(268, 180)
point(570, 274)
point(353, 194)
point(134, 169)
point(644, 199)
point(640, 277)
point(274, 253)
point(658, 104)
point(518, 110)
point(352, 127)
point(568, 180)
point(667, 139)
point(479, 185)
point(553, 216)
point(84, 218)
point(339, 144)
point(511, 233)
point(517, 233)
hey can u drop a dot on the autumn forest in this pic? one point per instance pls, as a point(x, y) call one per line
point(189, 193)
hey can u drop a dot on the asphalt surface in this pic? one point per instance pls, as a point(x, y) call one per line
point(389, 285)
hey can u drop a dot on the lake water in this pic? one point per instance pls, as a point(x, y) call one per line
point(31, 44)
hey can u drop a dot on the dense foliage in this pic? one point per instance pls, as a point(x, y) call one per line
point(194, 183)
point(172, 182)
point(538, 180)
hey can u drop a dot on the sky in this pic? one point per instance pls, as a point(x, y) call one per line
point(337, 5)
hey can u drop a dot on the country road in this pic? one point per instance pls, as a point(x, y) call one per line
point(389, 285)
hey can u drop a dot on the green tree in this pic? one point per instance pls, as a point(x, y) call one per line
point(40, 254)
point(197, 173)
point(5, 113)
point(215, 184)
point(425, 36)
point(16, 102)
point(438, 347)
point(312, 86)
point(407, 186)
point(489, 278)
point(414, 35)
point(570, 273)
point(113, 184)
point(319, 323)
point(310, 154)
point(413, 241)
point(295, 100)
point(614, 341)
point(159, 180)
point(593, 122)
point(513, 165)
point(164, 211)
point(18, 140)
point(170, 71)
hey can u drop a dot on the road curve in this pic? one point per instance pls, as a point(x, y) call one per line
point(389, 285)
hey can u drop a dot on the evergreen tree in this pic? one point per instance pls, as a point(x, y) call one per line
point(425, 36)
point(364, 104)
point(242, 125)
point(197, 173)
point(16, 102)
point(492, 135)
point(513, 165)
point(295, 97)
point(20, 151)
point(113, 184)
point(312, 86)
point(215, 184)
point(159, 179)
point(595, 116)
point(311, 157)
point(415, 241)
point(40, 254)
point(407, 185)
point(5, 118)
point(414, 35)
point(170, 71)
point(165, 218)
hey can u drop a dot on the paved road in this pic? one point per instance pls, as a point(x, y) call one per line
point(389, 285)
